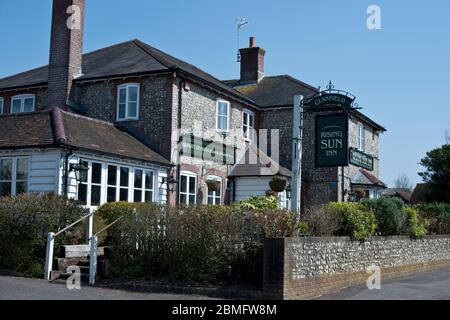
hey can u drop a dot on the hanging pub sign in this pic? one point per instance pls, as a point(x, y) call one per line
point(207, 150)
point(361, 159)
point(331, 140)
point(327, 99)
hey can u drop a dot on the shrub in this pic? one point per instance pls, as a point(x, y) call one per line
point(322, 222)
point(438, 215)
point(359, 222)
point(194, 244)
point(24, 224)
point(389, 214)
point(258, 203)
point(413, 227)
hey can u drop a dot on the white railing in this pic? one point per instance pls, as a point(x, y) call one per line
point(51, 242)
point(93, 246)
point(93, 252)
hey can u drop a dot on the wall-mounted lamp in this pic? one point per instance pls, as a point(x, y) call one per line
point(171, 183)
point(81, 171)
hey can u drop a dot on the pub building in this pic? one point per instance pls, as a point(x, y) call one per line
point(132, 123)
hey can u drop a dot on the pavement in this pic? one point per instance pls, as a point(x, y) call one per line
point(13, 288)
point(432, 285)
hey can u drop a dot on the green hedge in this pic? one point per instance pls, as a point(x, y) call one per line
point(194, 244)
point(24, 224)
point(390, 215)
point(437, 216)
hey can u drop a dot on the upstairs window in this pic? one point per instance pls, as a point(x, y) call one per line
point(361, 136)
point(248, 125)
point(223, 116)
point(128, 102)
point(22, 103)
point(1, 105)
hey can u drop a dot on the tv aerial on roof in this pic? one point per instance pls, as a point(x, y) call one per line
point(240, 23)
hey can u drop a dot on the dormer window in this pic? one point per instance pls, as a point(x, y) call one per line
point(1, 105)
point(128, 102)
point(22, 103)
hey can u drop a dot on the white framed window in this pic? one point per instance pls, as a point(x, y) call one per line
point(215, 196)
point(90, 189)
point(248, 125)
point(143, 185)
point(149, 179)
point(128, 101)
point(223, 116)
point(188, 188)
point(13, 176)
point(111, 184)
point(361, 136)
point(22, 103)
point(1, 105)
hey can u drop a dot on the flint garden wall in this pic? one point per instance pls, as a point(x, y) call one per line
point(299, 268)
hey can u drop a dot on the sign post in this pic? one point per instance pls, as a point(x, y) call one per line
point(297, 154)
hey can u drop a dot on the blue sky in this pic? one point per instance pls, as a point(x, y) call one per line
point(400, 74)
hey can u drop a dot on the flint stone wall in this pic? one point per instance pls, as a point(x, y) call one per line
point(297, 268)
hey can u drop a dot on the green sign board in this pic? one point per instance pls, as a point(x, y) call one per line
point(207, 150)
point(330, 99)
point(361, 159)
point(331, 140)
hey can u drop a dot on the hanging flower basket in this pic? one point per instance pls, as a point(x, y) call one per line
point(360, 193)
point(271, 193)
point(213, 185)
point(278, 184)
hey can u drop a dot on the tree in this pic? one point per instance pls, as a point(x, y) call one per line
point(403, 182)
point(437, 173)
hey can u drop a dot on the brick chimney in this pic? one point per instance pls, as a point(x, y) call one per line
point(252, 62)
point(66, 49)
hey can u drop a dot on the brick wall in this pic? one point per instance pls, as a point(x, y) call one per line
point(298, 268)
point(322, 185)
point(155, 108)
point(281, 119)
point(199, 106)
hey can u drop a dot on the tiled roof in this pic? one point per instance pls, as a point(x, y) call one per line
point(274, 91)
point(405, 194)
point(364, 177)
point(124, 59)
point(57, 128)
point(420, 193)
point(256, 163)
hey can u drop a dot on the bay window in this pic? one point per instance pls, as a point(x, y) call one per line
point(148, 186)
point(22, 103)
point(124, 183)
point(13, 176)
point(111, 193)
point(223, 116)
point(188, 188)
point(248, 125)
point(90, 188)
point(128, 102)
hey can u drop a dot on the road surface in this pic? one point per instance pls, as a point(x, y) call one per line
point(12, 288)
point(433, 285)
